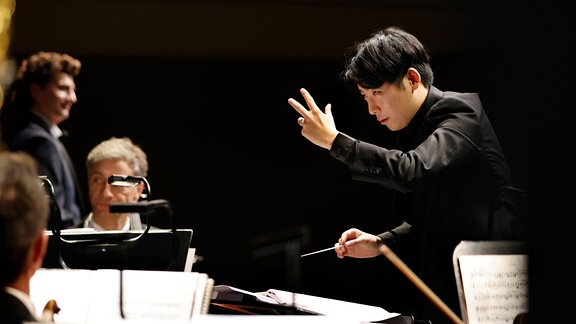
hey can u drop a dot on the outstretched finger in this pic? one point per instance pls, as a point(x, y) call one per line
point(309, 100)
point(298, 107)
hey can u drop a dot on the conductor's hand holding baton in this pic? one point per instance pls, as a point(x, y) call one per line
point(358, 244)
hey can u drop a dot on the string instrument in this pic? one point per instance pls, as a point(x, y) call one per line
point(49, 311)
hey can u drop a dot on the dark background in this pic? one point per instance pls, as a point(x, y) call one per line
point(202, 86)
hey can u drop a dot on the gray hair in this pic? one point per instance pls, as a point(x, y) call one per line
point(119, 148)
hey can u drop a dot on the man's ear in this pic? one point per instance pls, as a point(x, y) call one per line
point(39, 249)
point(413, 77)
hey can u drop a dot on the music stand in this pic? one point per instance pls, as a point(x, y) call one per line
point(495, 274)
point(119, 249)
point(159, 249)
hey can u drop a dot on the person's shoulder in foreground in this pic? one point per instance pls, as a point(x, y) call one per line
point(24, 212)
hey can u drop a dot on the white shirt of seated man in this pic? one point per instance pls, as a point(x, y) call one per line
point(101, 194)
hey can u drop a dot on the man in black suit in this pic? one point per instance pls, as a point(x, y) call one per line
point(445, 171)
point(24, 211)
point(41, 98)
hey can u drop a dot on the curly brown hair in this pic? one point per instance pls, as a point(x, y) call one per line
point(38, 68)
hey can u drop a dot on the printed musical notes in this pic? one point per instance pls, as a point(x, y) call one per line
point(496, 287)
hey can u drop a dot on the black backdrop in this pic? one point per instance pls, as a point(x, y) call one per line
point(225, 149)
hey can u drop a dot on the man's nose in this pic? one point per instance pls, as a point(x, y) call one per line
point(107, 190)
point(73, 96)
point(372, 107)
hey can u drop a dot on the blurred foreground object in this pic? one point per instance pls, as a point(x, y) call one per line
point(7, 67)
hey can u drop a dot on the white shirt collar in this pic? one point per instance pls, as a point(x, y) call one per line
point(54, 129)
point(90, 222)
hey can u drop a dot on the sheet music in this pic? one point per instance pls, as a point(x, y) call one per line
point(94, 295)
point(332, 307)
point(495, 287)
point(190, 256)
point(335, 308)
point(67, 288)
point(229, 293)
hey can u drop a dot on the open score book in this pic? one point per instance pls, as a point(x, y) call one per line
point(95, 295)
point(306, 303)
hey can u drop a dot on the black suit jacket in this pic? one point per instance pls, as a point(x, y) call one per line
point(53, 161)
point(445, 171)
point(13, 311)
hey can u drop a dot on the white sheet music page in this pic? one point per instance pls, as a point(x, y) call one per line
point(495, 287)
point(94, 295)
point(68, 288)
point(349, 311)
point(332, 307)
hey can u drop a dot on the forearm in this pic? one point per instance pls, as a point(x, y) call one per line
point(392, 236)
